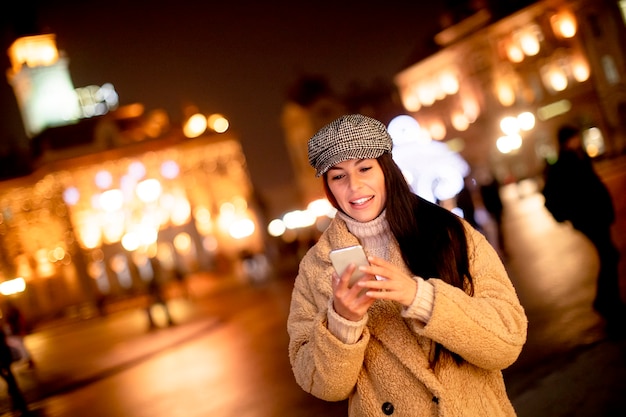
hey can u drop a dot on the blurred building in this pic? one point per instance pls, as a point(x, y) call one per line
point(498, 86)
point(111, 187)
point(494, 84)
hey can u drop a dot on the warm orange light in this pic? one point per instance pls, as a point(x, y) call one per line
point(508, 144)
point(410, 99)
point(514, 53)
point(564, 24)
point(13, 286)
point(580, 68)
point(437, 130)
point(89, 231)
point(195, 126)
point(529, 42)
point(33, 51)
point(449, 82)
point(181, 212)
point(471, 109)
point(218, 123)
point(129, 111)
point(505, 93)
point(558, 80)
point(426, 93)
point(204, 224)
point(526, 121)
point(182, 243)
point(113, 228)
point(411, 102)
point(459, 121)
point(554, 77)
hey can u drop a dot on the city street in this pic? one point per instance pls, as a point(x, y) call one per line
point(227, 353)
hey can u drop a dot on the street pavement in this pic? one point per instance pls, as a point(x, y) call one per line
point(569, 365)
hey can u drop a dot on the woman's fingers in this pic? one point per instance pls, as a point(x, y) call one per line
point(393, 285)
point(402, 291)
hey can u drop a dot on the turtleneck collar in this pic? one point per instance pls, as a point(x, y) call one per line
point(374, 235)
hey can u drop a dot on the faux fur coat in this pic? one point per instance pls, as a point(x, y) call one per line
point(388, 371)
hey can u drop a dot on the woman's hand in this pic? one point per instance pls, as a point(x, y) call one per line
point(350, 303)
point(394, 285)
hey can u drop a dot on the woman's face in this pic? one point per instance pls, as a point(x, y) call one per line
point(359, 188)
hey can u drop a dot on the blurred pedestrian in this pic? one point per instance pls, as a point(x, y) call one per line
point(156, 294)
point(490, 195)
point(575, 193)
point(465, 201)
point(16, 330)
point(434, 319)
point(18, 402)
point(180, 276)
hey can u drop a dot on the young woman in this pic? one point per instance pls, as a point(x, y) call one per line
point(429, 327)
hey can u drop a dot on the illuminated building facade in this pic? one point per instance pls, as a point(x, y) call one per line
point(80, 230)
point(108, 191)
point(498, 90)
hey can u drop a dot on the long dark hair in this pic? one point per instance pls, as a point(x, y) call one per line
point(432, 239)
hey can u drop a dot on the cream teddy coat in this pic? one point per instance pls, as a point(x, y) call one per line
point(387, 372)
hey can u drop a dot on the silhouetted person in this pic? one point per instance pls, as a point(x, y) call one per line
point(156, 295)
point(181, 278)
point(465, 202)
point(17, 329)
point(574, 192)
point(18, 402)
point(490, 195)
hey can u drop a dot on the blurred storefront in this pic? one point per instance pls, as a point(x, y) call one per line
point(498, 87)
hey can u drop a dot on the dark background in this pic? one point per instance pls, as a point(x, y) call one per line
point(234, 58)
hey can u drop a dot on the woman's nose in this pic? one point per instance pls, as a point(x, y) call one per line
point(355, 183)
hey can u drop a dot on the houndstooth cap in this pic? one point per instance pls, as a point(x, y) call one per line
point(352, 136)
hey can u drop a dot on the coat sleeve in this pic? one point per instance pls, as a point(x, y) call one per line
point(487, 329)
point(321, 363)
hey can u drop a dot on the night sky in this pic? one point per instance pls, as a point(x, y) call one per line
point(233, 58)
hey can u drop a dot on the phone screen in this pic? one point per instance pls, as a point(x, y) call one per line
point(342, 258)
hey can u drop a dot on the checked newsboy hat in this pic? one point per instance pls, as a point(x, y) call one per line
point(352, 136)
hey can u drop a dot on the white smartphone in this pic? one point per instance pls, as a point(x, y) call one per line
point(342, 258)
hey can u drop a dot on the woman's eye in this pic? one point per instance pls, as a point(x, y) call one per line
point(337, 177)
point(365, 169)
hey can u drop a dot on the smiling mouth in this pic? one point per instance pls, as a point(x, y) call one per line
point(361, 201)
